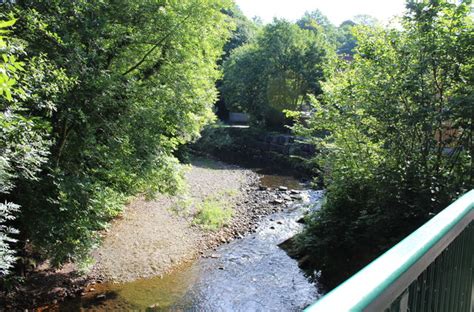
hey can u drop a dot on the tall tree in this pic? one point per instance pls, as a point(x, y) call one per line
point(317, 21)
point(395, 133)
point(346, 42)
point(245, 32)
point(28, 88)
point(276, 72)
point(139, 80)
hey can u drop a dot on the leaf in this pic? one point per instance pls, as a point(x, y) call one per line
point(5, 24)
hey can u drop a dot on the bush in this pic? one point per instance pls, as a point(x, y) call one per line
point(398, 143)
point(213, 214)
point(105, 99)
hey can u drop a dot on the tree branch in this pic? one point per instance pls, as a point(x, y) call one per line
point(156, 45)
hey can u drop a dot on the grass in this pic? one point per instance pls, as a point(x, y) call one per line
point(213, 214)
point(182, 205)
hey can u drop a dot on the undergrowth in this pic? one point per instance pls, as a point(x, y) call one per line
point(213, 213)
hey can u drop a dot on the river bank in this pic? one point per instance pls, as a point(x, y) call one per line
point(249, 274)
point(152, 238)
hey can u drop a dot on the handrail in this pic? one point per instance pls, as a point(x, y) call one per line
point(384, 280)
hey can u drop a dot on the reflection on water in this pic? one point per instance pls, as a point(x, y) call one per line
point(249, 274)
point(139, 295)
point(274, 181)
point(254, 274)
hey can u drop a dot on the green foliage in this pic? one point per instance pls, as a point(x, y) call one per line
point(213, 213)
point(340, 37)
point(214, 139)
point(395, 133)
point(244, 32)
point(9, 64)
point(346, 41)
point(317, 21)
point(24, 141)
point(276, 72)
point(7, 254)
point(111, 90)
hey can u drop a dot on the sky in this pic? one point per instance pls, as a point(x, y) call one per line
point(336, 10)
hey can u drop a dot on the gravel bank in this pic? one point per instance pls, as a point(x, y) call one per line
point(153, 237)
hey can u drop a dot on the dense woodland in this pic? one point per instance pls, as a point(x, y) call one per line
point(98, 97)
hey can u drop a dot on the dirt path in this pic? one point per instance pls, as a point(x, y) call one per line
point(154, 236)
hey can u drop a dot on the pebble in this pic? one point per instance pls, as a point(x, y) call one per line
point(58, 291)
point(296, 196)
point(250, 209)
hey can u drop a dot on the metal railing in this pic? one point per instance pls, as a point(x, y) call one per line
point(430, 270)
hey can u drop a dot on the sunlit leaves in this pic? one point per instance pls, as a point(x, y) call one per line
point(113, 88)
point(276, 72)
point(9, 65)
point(395, 133)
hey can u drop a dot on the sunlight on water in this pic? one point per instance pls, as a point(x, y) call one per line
point(249, 274)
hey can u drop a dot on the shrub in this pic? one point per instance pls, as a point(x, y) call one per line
point(398, 143)
point(213, 214)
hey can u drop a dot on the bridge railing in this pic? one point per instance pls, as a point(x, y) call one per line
point(430, 270)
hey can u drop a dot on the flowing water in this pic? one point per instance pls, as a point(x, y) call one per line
point(248, 274)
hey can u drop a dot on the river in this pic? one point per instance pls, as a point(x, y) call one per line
point(248, 274)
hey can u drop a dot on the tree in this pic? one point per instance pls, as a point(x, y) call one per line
point(276, 72)
point(244, 32)
point(118, 86)
point(8, 74)
point(346, 41)
point(24, 139)
point(395, 131)
point(365, 20)
point(318, 22)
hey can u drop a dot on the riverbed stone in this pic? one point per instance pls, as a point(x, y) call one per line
point(141, 214)
point(296, 196)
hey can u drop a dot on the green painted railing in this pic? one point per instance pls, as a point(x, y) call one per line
point(430, 270)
